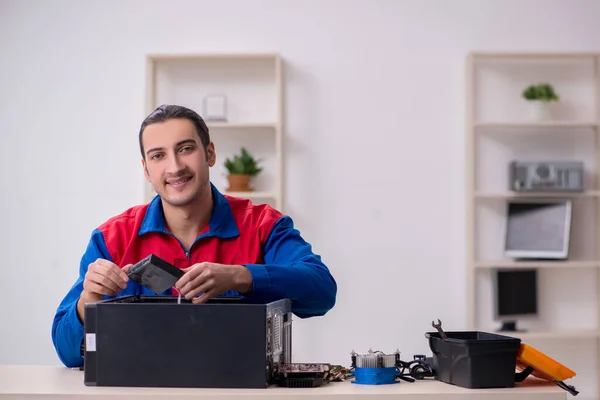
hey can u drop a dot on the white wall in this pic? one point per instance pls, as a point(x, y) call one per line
point(375, 146)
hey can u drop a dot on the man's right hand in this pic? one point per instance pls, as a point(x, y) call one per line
point(102, 278)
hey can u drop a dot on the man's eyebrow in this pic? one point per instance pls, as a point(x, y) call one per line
point(154, 149)
point(186, 141)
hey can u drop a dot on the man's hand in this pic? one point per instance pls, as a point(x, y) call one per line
point(210, 279)
point(102, 278)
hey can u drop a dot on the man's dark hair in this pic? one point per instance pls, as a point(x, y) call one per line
point(167, 112)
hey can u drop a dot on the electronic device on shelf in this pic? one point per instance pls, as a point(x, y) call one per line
point(546, 176)
point(515, 296)
point(538, 229)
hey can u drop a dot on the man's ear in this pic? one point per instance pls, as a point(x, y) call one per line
point(211, 155)
point(145, 170)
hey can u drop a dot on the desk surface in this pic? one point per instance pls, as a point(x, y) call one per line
point(35, 382)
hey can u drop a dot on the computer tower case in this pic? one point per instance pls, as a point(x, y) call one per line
point(152, 341)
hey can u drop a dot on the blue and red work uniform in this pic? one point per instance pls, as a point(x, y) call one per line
point(259, 237)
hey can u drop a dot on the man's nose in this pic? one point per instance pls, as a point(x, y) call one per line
point(175, 165)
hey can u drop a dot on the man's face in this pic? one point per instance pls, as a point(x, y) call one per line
point(176, 164)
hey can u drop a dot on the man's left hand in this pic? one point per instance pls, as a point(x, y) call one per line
point(211, 279)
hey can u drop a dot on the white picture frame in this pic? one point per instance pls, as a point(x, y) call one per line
point(215, 107)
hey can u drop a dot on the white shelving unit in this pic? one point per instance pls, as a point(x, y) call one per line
point(500, 130)
point(253, 86)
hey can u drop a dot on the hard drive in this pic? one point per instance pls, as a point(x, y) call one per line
point(155, 273)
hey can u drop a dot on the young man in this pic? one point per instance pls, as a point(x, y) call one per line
point(225, 245)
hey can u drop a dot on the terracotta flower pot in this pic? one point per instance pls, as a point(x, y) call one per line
point(239, 183)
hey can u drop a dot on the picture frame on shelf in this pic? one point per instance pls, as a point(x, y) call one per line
point(215, 108)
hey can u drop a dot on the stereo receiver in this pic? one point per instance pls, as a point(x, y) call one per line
point(542, 176)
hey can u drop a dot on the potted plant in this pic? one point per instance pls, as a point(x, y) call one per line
point(242, 167)
point(540, 96)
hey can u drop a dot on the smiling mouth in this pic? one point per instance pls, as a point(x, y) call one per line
point(179, 181)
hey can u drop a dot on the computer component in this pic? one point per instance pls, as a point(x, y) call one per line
point(303, 374)
point(515, 294)
point(546, 176)
point(151, 341)
point(155, 273)
point(538, 228)
point(378, 368)
point(375, 368)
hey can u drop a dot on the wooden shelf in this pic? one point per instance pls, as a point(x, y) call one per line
point(213, 57)
point(532, 125)
point(503, 127)
point(536, 264)
point(508, 195)
point(483, 55)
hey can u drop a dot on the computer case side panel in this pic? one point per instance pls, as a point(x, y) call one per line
point(90, 356)
point(152, 341)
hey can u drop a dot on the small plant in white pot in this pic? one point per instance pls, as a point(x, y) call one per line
point(540, 96)
point(242, 168)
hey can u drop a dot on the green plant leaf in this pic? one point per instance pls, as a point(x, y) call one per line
point(243, 163)
point(541, 92)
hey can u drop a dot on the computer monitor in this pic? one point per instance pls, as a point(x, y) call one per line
point(515, 296)
point(538, 229)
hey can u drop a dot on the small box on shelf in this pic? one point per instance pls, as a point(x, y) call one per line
point(215, 108)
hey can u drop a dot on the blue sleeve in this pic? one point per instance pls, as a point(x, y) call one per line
point(291, 270)
point(67, 328)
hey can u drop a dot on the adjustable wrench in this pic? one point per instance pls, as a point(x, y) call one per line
point(438, 326)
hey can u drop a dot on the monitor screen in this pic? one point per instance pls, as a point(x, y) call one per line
point(538, 229)
point(515, 295)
